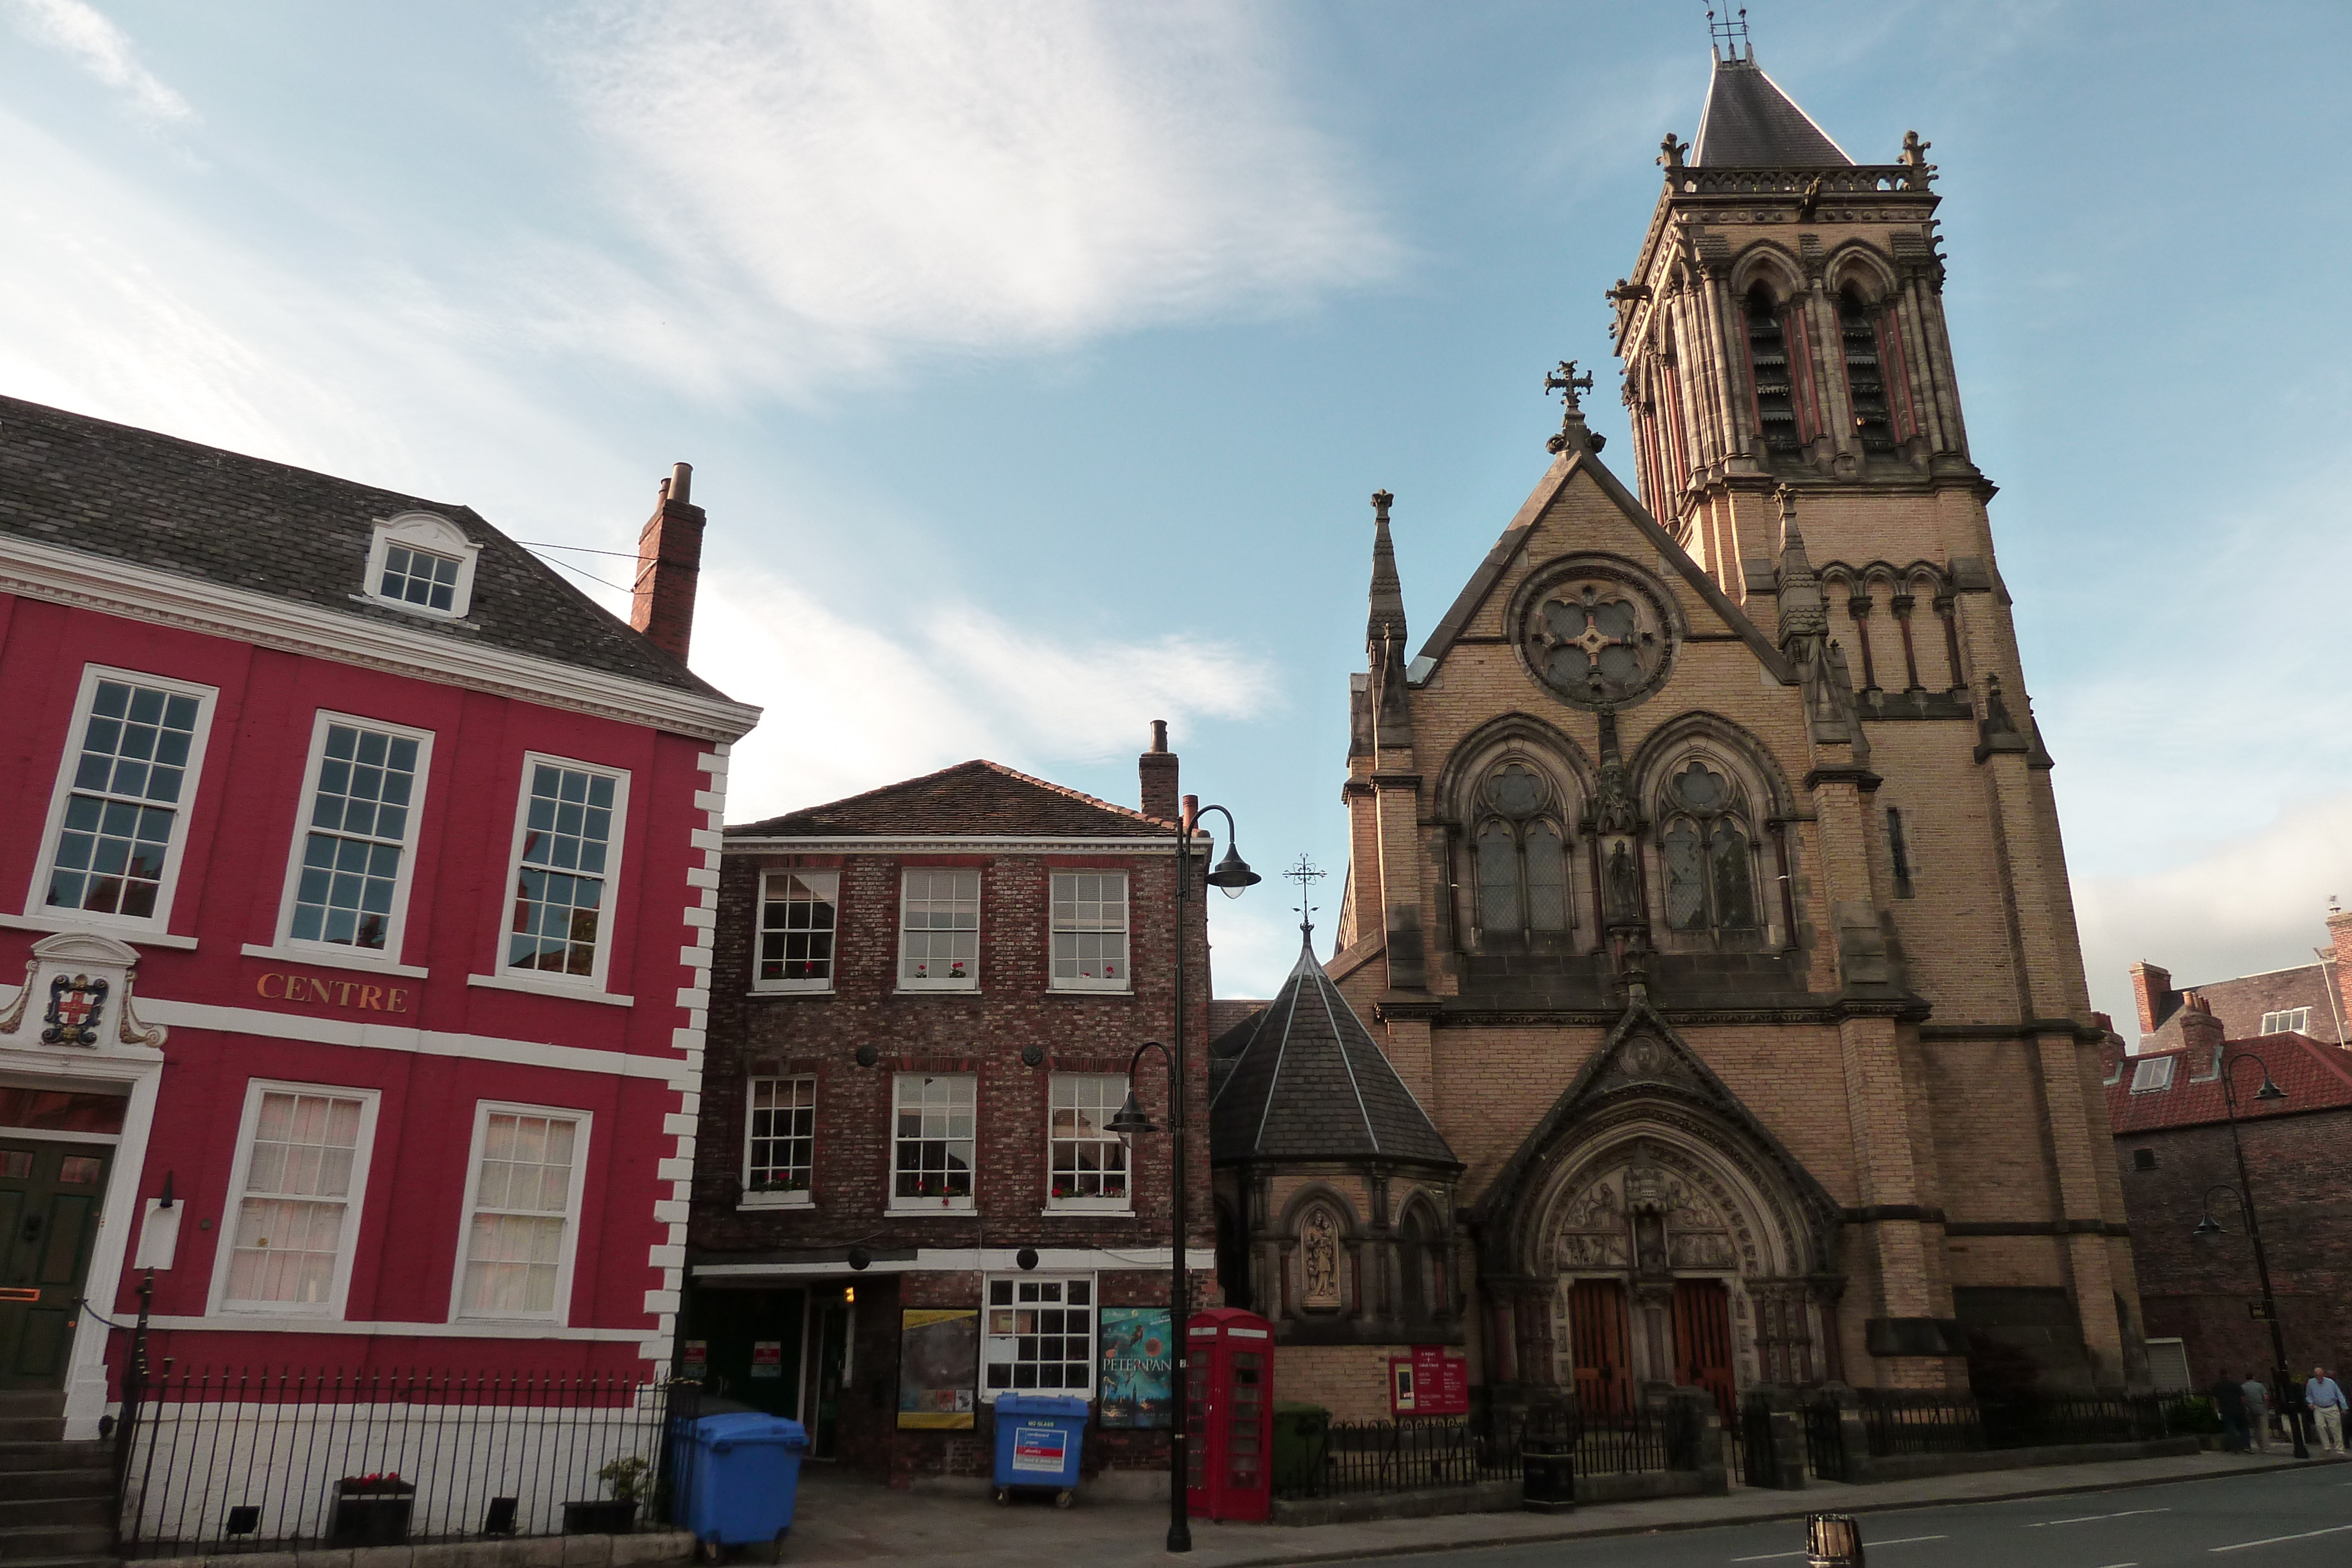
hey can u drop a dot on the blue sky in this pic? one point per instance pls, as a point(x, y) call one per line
point(1037, 361)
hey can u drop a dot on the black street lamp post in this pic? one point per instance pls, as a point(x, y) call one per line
point(2244, 1192)
point(1232, 875)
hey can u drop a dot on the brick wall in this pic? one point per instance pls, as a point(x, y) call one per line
point(2198, 1288)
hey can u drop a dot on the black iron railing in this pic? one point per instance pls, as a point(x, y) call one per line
point(1899, 1422)
point(237, 1460)
point(1361, 1457)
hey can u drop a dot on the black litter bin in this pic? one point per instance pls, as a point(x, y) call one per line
point(1547, 1463)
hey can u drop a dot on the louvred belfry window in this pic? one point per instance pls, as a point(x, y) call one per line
point(1772, 372)
point(1710, 853)
point(1866, 374)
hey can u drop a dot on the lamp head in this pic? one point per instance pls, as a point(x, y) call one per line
point(1131, 1119)
point(2208, 1226)
point(2269, 1091)
point(1232, 873)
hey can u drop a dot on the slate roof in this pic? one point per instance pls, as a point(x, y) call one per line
point(2315, 1076)
point(103, 489)
point(977, 799)
point(2240, 1003)
point(1303, 1080)
point(1750, 123)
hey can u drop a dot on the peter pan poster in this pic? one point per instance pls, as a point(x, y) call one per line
point(1136, 1363)
point(939, 1362)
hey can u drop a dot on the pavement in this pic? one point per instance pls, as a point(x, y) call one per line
point(841, 1519)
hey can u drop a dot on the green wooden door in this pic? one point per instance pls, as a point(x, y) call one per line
point(50, 1200)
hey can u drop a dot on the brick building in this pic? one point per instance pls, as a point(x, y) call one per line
point(907, 1201)
point(1707, 888)
point(2307, 999)
point(2172, 1148)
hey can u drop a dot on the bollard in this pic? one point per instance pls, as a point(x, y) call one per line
point(1832, 1541)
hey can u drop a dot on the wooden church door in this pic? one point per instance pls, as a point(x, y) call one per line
point(1596, 1332)
point(1703, 1341)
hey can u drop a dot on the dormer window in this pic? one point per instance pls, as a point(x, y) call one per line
point(422, 563)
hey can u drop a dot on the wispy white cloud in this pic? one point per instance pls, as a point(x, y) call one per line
point(829, 187)
point(852, 705)
point(82, 32)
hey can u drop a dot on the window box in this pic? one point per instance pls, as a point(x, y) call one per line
point(371, 1510)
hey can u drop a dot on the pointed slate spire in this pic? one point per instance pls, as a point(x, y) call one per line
point(1750, 123)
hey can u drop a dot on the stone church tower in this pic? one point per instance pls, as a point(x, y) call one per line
point(1707, 887)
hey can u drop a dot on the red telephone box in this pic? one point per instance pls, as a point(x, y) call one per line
point(1229, 1387)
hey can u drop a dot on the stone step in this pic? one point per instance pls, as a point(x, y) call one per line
point(32, 1402)
point(55, 1512)
point(32, 1429)
point(55, 1540)
point(82, 1480)
point(16, 1456)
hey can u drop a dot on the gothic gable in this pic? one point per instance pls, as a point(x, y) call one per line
point(1645, 1075)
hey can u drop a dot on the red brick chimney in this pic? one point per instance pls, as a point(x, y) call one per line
point(1157, 769)
point(2153, 988)
point(669, 561)
point(2200, 1030)
point(2339, 932)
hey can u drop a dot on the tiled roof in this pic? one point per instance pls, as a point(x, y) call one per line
point(2315, 1076)
point(977, 800)
point(2241, 1003)
point(109, 490)
point(1750, 123)
point(1303, 1080)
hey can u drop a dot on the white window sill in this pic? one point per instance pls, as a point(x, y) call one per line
point(1067, 1205)
point(538, 988)
point(336, 958)
point(275, 1311)
point(520, 1321)
point(130, 931)
point(1068, 990)
point(762, 993)
point(935, 988)
point(938, 1208)
point(776, 1200)
point(422, 611)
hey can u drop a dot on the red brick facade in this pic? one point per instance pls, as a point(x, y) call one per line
point(1012, 1034)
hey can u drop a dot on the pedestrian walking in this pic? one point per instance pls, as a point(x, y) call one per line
point(2257, 1412)
point(2230, 1401)
point(2326, 1403)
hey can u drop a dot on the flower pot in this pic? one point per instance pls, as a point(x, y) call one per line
point(603, 1516)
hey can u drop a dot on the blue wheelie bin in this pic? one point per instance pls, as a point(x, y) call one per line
point(740, 1473)
point(1038, 1440)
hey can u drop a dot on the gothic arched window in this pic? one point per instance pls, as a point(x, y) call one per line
point(1520, 855)
point(1770, 362)
point(1865, 375)
point(1707, 849)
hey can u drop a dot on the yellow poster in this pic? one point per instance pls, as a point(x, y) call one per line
point(939, 1367)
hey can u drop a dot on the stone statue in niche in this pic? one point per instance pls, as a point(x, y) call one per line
point(1621, 886)
point(1318, 1258)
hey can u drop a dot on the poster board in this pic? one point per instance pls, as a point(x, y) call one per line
point(939, 1367)
point(1428, 1382)
point(1136, 1358)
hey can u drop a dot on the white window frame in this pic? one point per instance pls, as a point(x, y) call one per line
point(947, 1203)
point(573, 1219)
point(396, 925)
point(38, 909)
point(218, 1304)
point(804, 1197)
point(980, 898)
point(991, 1341)
point(435, 534)
point(759, 933)
point(524, 977)
point(1117, 1082)
point(2287, 1020)
point(1054, 979)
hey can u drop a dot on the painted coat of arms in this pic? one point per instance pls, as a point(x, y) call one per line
point(76, 1001)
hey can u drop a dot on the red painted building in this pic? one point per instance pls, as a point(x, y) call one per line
point(357, 884)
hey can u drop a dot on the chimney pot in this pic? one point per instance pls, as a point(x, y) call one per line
point(681, 482)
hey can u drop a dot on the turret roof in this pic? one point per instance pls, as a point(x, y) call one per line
point(1303, 1080)
point(1750, 123)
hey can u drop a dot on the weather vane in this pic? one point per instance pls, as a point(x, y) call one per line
point(1726, 33)
point(1305, 873)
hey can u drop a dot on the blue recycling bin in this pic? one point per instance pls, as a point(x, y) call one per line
point(738, 1475)
point(1038, 1440)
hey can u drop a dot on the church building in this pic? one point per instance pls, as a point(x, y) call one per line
point(1705, 892)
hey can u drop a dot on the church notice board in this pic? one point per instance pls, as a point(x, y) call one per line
point(1428, 1382)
